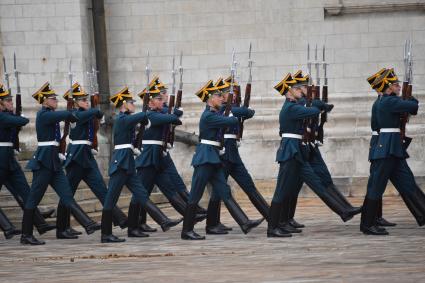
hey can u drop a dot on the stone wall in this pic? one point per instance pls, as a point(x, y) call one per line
point(45, 34)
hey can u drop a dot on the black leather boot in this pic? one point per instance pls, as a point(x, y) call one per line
point(119, 218)
point(27, 237)
point(416, 205)
point(133, 221)
point(159, 217)
point(47, 213)
point(62, 219)
point(284, 224)
point(180, 206)
point(89, 225)
point(213, 219)
point(368, 219)
point(240, 217)
point(188, 224)
point(291, 213)
point(260, 203)
point(7, 227)
point(185, 196)
point(381, 221)
point(273, 227)
point(142, 222)
point(39, 220)
point(107, 236)
point(336, 206)
point(343, 200)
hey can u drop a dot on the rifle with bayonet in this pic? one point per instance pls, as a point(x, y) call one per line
point(231, 93)
point(139, 137)
point(406, 88)
point(178, 103)
point(309, 99)
point(18, 105)
point(94, 103)
point(324, 115)
point(69, 107)
point(247, 97)
point(171, 103)
point(315, 95)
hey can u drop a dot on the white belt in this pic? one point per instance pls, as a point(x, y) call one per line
point(375, 133)
point(215, 143)
point(80, 142)
point(121, 146)
point(152, 142)
point(390, 130)
point(48, 143)
point(292, 136)
point(230, 136)
point(8, 144)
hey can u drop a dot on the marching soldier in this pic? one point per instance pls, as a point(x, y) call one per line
point(313, 156)
point(11, 174)
point(293, 166)
point(80, 164)
point(390, 155)
point(150, 163)
point(122, 171)
point(380, 221)
point(155, 165)
point(233, 165)
point(208, 165)
point(47, 168)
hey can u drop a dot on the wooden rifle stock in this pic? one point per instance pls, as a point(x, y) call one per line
point(226, 114)
point(18, 112)
point(62, 143)
point(139, 136)
point(94, 102)
point(306, 134)
point(178, 104)
point(323, 116)
point(404, 118)
point(246, 102)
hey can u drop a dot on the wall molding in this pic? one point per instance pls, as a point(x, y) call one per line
point(341, 9)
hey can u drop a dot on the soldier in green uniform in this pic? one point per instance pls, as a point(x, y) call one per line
point(390, 156)
point(208, 165)
point(46, 165)
point(380, 221)
point(233, 164)
point(80, 164)
point(11, 174)
point(122, 170)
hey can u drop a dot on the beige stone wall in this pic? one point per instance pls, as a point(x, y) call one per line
point(45, 34)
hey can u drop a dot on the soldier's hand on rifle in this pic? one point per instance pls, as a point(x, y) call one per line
point(99, 115)
point(178, 112)
point(72, 118)
point(178, 122)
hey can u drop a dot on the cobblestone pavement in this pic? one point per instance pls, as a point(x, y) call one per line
point(328, 250)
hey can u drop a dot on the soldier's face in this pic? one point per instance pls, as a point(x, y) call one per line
point(83, 103)
point(225, 95)
point(216, 101)
point(51, 102)
point(130, 106)
point(296, 92)
point(156, 103)
point(395, 88)
point(164, 95)
point(304, 89)
point(7, 104)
